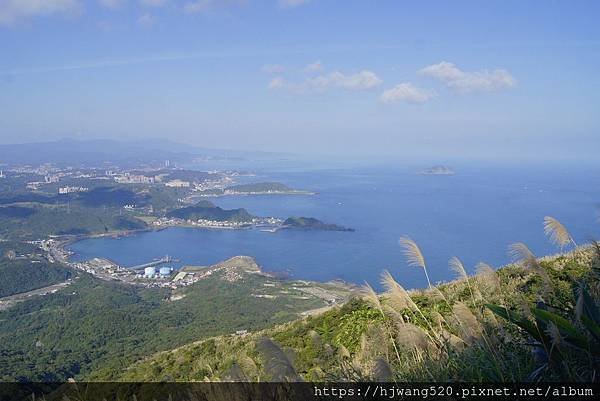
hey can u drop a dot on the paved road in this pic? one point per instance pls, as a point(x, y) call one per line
point(7, 302)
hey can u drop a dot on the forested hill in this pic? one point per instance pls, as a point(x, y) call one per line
point(93, 327)
point(22, 269)
point(208, 211)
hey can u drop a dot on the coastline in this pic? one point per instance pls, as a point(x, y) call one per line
point(307, 193)
point(320, 289)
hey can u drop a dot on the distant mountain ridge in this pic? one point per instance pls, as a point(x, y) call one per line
point(96, 151)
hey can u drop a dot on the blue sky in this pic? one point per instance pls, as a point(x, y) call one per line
point(511, 79)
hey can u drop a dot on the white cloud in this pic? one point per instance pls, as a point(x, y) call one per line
point(277, 83)
point(197, 6)
point(145, 19)
point(200, 6)
point(406, 92)
point(13, 10)
point(112, 4)
point(292, 3)
point(313, 67)
point(464, 82)
point(362, 80)
point(153, 3)
point(272, 69)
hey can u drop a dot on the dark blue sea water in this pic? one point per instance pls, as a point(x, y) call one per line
point(475, 215)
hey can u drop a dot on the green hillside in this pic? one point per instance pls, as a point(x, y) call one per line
point(92, 328)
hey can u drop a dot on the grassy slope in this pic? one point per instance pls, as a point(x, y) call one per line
point(351, 341)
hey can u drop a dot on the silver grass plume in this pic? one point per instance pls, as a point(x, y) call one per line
point(488, 276)
point(554, 333)
point(437, 295)
point(457, 266)
point(557, 233)
point(520, 253)
point(469, 325)
point(398, 296)
point(414, 256)
point(393, 314)
point(452, 340)
point(402, 296)
point(343, 352)
point(438, 319)
point(526, 309)
point(412, 336)
point(248, 365)
point(371, 297)
point(363, 355)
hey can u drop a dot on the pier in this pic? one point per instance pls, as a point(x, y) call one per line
point(161, 261)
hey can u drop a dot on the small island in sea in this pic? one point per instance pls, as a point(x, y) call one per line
point(208, 211)
point(310, 223)
point(437, 170)
point(259, 188)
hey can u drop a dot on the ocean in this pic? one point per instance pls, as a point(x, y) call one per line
point(474, 215)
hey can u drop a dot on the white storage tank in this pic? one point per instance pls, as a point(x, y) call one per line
point(149, 272)
point(165, 271)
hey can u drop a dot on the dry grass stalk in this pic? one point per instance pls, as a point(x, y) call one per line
point(397, 295)
point(343, 352)
point(488, 278)
point(452, 340)
point(526, 310)
point(436, 295)
point(469, 325)
point(579, 304)
point(412, 337)
point(371, 297)
point(557, 233)
point(457, 266)
point(438, 319)
point(520, 253)
point(403, 296)
point(393, 314)
point(554, 334)
point(414, 256)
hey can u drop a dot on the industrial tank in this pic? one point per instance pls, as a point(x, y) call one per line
point(165, 271)
point(149, 272)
